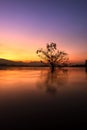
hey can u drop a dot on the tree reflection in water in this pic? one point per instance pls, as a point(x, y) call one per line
point(50, 82)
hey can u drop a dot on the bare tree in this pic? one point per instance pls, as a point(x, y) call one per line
point(52, 56)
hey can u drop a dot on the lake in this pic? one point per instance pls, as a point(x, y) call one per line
point(36, 96)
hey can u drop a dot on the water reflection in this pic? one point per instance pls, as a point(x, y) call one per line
point(58, 95)
point(50, 82)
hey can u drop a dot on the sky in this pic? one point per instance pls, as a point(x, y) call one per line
point(27, 25)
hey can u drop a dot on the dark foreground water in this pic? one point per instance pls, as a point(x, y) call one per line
point(34, 96)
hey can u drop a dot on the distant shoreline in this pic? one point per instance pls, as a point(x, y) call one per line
point(10, 63)
point(41, 66)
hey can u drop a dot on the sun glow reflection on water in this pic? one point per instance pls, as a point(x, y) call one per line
point(38, 94)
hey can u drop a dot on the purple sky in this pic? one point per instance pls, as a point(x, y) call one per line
point(26, 25)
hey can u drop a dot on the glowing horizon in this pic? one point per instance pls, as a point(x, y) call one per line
point(26, 26)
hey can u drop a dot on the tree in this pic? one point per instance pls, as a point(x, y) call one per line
point(52, 56)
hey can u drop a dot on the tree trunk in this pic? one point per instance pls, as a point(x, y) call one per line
point(52, 67)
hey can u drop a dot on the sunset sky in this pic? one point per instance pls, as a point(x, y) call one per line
point(27, 25)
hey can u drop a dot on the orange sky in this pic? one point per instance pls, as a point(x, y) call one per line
point(20, 46)
point(32, 25)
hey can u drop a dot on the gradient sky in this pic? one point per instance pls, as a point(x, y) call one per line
point(27, 25)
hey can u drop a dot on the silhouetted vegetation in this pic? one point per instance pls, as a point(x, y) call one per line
point(86, 63)
point(86, 69)
point(52, 56)
point(77, 65)
point(10, 63)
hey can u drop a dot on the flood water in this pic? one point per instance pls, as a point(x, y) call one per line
point(35, 95)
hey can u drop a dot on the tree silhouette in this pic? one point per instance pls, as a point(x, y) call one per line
point(52, 56)
point(86, 63)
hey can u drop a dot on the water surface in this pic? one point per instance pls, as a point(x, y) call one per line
point(31, 94)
